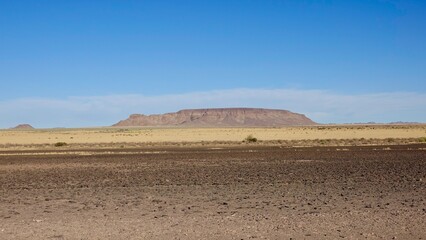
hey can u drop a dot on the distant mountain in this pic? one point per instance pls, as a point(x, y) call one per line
point(23, 126)
point(405, 123)
point(381, 123)
point(219, 117)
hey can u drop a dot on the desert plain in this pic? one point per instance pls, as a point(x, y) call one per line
point(126, 137)
point(316, 182)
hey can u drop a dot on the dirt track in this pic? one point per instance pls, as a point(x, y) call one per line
point(195, 193)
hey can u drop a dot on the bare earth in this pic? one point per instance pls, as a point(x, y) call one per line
point(247, 192)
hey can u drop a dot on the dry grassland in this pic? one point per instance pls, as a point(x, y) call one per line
point(197, 135)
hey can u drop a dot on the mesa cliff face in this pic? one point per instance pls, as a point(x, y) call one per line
point(219, 117)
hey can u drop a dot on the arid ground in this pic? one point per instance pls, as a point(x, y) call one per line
point(243, 192)
point(143, 136)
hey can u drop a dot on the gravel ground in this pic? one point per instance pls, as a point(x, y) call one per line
point(250, 192)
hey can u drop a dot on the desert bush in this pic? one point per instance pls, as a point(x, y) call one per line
point(250, 139)
point(422, 139)
point(60, 144)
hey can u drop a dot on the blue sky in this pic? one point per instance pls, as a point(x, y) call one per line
point(61, 62)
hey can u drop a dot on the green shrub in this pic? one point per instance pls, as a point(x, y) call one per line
point(60, 144)
point(422, 139)
point(250, 139)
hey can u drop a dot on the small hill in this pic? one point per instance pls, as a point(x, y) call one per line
point(23, 126)
point(219, 117)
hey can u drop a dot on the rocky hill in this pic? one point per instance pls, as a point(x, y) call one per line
point(219, 117)
point(23, 126)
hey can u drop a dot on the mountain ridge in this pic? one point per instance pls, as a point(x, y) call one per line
point(219, 117)
point(23, 126)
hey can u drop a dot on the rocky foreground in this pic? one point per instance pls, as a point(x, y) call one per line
point(375, 192)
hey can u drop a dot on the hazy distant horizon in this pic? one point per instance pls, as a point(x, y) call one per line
point(320, 106)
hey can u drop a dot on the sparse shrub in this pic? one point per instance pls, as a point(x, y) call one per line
point(60, 144)
point(422, 139)
point(250, 139)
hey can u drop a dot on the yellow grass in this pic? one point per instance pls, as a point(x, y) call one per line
point(156, 135)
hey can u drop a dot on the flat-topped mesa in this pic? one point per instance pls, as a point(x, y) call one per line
point(219, 117)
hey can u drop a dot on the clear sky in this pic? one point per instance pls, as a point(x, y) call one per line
point(88, 63)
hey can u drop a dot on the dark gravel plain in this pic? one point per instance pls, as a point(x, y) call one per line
point(246, 192)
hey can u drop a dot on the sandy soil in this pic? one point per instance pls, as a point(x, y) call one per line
point(375, 192)
point(159, 135)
